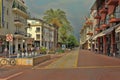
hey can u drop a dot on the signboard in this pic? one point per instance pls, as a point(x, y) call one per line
point(63, 46)
point(9, 37)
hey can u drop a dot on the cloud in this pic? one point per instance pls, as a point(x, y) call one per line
point(75, 9)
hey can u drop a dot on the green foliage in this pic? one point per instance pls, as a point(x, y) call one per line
point(59, 19)
point(60, 50)
point(43, 50)
point(72, 41)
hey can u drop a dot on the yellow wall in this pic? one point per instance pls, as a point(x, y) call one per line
point(27, 61)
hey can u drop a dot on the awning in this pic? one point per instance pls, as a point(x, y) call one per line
point(111, 9)
point(98, 35)
point(117, 29)
point(108, 31)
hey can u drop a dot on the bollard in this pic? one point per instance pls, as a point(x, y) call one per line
point(23, 55)
point(18, 55)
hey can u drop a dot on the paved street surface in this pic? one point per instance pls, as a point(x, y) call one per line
point(76, 65)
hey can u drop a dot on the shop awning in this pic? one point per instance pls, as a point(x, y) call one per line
point(117, 29)
point(98, 35)
point(108, 31)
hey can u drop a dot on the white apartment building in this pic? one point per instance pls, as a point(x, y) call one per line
point(13, 14)
point(92, 29)
point(48, 36)
point(42, 33)
point(35, 31)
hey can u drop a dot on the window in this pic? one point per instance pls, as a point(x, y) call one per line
point(107, 19)
point(37, 29)
point(7, 11)
point(117, 12)
point(37, 36)
point(7, 25)
point(117, 36)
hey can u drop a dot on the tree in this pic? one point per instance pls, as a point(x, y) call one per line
point(55, 17)
point(72, 41)
point(59, 20)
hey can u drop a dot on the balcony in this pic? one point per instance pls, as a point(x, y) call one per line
point(90, 33)
point(97, 29)
point(88, 23)
point(28, 35)
point(20, 12)
point(18, 22)
point(112, 2)
point(114, 20)
point(97, 17)
point(22, 1)
point(104, 26)
point(103, 10)
point(19, 34)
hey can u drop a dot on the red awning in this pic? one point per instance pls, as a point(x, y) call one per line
point(103, 15)
point(111, 9)
point(98, 20)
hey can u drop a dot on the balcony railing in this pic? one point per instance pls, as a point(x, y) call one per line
point(28, 35)
point(103, 26)
point(98, 29)
point(114, 20)
point(97, 17)
point(103, 10)
point(20, 12)
point(20, 33)
point(18, 22)
point(90, 33)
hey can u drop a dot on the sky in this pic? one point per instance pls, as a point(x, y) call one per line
point(76, 10)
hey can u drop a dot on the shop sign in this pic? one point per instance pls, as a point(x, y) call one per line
point(9, 37)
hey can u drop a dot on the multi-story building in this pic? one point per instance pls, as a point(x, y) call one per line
point(43, 33)
point(108, 21)
point(48, 36)
point(13, 21)
point(86, 33)
point(35, 31)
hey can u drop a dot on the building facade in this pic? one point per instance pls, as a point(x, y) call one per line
point(86, 33)
point(13, 21)
point(42, 32)
point(35, 31)
point(107, 26)
point(48, 36)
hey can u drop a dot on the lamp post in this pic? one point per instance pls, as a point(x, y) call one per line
point(25, 41)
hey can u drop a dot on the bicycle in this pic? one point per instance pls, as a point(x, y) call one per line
point(10, 61)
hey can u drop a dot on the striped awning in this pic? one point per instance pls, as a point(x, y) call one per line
point(117, 29)
point(108, 31)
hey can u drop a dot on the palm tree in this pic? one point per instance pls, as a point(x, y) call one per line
point(59, 20)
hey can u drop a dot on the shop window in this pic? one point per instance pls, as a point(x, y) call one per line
point(117, 36)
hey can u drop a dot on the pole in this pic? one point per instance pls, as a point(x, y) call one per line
point(9, 49)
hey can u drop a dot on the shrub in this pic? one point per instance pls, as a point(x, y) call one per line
point(43, 50)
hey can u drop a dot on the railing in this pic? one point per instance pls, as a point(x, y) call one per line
point(20, 32)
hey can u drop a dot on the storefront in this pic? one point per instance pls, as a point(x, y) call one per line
point(117, 31)
point(3, 43)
